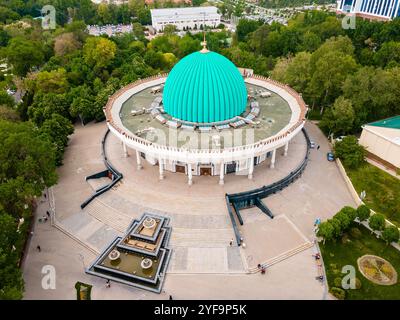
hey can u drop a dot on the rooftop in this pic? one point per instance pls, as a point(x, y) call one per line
point(392, 123)
point(180, 11)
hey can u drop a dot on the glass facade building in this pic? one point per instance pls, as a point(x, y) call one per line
point(383, 9)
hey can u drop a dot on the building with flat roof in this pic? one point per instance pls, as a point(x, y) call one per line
point(382, 140)
point(371, 9)
point(192, 17)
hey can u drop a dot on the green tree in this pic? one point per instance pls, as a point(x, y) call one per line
point(27, 164)
point(54, 81)
point(57, 129)
point(363, 213)
point(11, 282)
point(339, 119)
point(24, 54)
point(99, 52)
point(377, 222)
point(350, 152)
point(391, 234)
point(326, 231)
point(389, 53)
point(245, 27)
point(344, 219)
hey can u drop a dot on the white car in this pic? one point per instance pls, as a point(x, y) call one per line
point(312, 144)
point(340, 138)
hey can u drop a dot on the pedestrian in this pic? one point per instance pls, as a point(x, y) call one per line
point(259, 266)
point(231, 242)
point(318, 147)
point(48, 213)
point(108, 284)
point(38, 248)
point(170, 297)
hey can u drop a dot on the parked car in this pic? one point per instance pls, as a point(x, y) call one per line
point(330, 156)
point(340, 138)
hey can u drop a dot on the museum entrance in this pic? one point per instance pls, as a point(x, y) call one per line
point(205, 171)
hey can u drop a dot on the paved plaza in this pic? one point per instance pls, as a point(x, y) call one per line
point(202, 257)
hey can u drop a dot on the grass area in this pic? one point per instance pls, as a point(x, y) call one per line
point(346, 252)
point(382, 189)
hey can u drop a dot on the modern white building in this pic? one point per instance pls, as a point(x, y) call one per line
point(192, 17)
point(382, 140)
point(371, 9)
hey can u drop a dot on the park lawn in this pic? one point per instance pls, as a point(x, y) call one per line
point(382, 190)
point(340, 253)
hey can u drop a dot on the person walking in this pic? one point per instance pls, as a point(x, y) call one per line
point(231, 242)
point(48, 213)
point(108, 284)
point(170, 297)
point(38, 248)
point(318, 147)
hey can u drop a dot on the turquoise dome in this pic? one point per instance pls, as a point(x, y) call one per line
point(204, 87)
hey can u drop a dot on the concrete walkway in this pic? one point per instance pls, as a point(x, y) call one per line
point(201, 226)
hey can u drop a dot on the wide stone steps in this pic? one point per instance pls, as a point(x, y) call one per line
point(183, 237)
point(282, 256)
point(108, 215)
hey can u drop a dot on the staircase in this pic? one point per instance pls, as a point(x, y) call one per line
point(183, 237)
point(108, 215)
point(282, 256)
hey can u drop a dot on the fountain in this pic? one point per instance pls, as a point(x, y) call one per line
point(146, 263)
point(114, 255)
point(149, 223)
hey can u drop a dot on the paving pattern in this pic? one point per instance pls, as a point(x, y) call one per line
point(201, 227)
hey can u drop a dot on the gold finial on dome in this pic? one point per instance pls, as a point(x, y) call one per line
point(204, 44)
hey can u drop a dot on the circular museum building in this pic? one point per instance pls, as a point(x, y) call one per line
point(206, 117)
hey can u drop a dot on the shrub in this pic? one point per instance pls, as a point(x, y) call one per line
point(350, 212)
point(391, 234)
point(355, 233)
point(326, 231)
point(344, 219)
point(339, 293)
point(337, 227)
point(363, 213)
point(377, 222)
point(358, 284)
point(337, 282)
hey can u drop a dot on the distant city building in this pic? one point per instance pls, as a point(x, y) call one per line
point(382, 140)
point(192, 18)
point(173, 1)
point(371, 9)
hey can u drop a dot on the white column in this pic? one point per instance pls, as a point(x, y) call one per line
point(221, 173)
point(161, 168)
point(190, 174)
point(251, 168)
point(125, 149)
point(286, 149)
point(273, 159)
point(138, 160)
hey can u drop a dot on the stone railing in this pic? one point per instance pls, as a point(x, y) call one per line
point(257, 146)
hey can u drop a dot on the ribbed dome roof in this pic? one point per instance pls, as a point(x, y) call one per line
point(204, 87)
